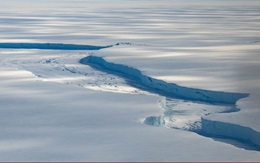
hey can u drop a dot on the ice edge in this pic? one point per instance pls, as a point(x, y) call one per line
point(161, 87)
point(209, 127)
point(241, 133)
point(51, 46)
point(59, 46)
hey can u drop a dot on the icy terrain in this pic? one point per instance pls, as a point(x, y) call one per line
point(135, 81)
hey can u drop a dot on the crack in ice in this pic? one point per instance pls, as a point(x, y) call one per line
point(161, 87)
point(178, 103)
point(215, 102)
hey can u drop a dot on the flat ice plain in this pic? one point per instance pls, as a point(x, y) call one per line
point(129, 80)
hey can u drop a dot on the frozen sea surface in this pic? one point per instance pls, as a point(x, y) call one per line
point(54, 108)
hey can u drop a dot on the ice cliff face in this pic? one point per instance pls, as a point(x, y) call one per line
point(162, 87)
point(233, 131)
point(204, 125)
point(51, 46)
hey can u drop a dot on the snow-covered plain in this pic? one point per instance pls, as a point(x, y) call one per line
point(129, 80)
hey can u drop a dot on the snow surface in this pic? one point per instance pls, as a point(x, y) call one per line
point(54, 108)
